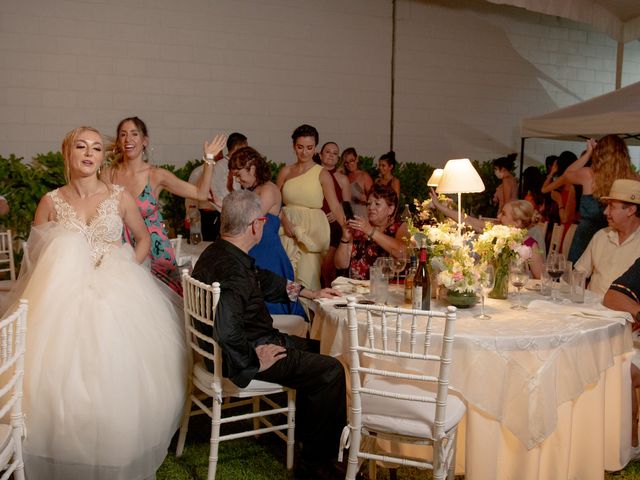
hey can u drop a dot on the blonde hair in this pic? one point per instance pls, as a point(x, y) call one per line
point(67, 145)
point(609, 161)
point(524, 213)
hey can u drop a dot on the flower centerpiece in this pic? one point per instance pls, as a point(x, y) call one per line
point(499, 244)
point(451, 257)
point(426, 213)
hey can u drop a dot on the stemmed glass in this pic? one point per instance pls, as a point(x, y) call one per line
point(487, 280)
point(519, 274)
point(556, 265)
point(398, 264)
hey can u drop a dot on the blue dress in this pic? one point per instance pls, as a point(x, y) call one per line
point(270, 255)
point(592, 219)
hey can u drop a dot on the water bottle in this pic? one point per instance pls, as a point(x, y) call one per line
point(406, 216)
point(195, 226)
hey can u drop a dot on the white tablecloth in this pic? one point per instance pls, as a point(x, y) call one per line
point(549, 392)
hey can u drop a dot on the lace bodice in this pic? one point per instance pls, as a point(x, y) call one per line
point(104, 230)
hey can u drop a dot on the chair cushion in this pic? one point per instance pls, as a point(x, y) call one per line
point(405, 417)
point(229, 389)
point(291, 324)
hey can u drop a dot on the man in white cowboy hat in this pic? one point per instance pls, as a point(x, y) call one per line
point(613, 249)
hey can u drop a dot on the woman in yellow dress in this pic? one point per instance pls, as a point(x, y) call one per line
point(305, 229)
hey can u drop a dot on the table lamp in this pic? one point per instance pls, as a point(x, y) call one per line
point(435, 177)
point(460, 177)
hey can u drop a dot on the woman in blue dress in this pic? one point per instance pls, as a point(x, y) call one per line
point(252, 172)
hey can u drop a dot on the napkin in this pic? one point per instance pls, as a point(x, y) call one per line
point(594, 310)
point(350, 286)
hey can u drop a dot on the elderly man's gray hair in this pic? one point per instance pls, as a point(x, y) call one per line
point(239, 209)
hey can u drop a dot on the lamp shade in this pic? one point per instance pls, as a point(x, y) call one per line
point(459, 176)
point(435, 177)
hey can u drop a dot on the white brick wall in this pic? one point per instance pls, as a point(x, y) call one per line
point(466, 73)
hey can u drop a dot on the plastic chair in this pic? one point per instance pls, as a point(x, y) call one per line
point(12, 346)
point(200, 303)
point(400, 387)
point(6, 261)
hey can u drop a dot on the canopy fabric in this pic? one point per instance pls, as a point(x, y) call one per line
point(617, 112)
point(620, 19)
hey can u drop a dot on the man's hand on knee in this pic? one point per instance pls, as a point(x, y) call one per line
point(269, 354)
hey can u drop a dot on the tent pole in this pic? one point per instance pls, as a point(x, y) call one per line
point(522, 139)
point(619, 61)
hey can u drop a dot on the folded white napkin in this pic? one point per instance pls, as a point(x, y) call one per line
point(593, 310)
point(349, 281)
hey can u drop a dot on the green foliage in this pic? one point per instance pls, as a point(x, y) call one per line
point(172, 206)
point(479, 204)
point(413, 182)
point(274, 168)
point(24, 184)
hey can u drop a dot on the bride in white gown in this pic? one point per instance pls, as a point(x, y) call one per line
point(105, 363)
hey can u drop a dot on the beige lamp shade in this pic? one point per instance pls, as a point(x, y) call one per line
point(435, 177)
point(459, 176)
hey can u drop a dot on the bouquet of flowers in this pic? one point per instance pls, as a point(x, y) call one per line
point(427, 214)
point(450, 254)
point(499, 244)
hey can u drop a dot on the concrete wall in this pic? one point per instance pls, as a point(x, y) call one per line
point(466, 73)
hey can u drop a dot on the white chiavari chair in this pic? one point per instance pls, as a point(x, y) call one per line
point(7, 266)
point(400, 387)
point(200, 302)
point(12, 346)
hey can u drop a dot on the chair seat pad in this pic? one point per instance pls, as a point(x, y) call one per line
point(229, 389)
point(291, 324)
point(5, 435)
point(405, 417)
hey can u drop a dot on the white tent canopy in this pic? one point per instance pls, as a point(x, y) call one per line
point(620, 19)
point(615, 112)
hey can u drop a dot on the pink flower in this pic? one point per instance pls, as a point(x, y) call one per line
point(524, 252)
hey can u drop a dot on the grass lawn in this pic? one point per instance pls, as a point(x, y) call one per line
point(264, 459)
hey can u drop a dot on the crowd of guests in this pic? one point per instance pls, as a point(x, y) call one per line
point(104, 279)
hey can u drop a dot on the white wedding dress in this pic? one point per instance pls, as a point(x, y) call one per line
point(105, 362)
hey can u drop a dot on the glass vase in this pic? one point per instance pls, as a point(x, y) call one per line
point(501, 285)
point(461, 299)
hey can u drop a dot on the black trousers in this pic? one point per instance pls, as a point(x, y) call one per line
point(210, 220)
point(320, 396)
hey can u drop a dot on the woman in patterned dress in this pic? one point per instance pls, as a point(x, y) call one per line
point(145, 182)
point(378, 235)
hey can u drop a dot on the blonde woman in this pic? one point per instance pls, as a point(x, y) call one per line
point(105, 363)
point(609, 161)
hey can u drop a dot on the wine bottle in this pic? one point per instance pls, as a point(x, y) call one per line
point(421, 282)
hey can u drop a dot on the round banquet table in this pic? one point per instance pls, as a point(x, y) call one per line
point(548, 393)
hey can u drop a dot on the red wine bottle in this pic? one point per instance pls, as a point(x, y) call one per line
point(421, 282)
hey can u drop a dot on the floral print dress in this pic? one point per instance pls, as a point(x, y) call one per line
point(365, 252)
point(162, 255)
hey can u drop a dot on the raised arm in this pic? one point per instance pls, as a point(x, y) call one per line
point(475, 223)
point(200, 191)
point(584, 158)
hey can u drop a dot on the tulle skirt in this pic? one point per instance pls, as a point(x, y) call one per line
point(105, 364)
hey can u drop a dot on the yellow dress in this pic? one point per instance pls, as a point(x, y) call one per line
point(302, 197)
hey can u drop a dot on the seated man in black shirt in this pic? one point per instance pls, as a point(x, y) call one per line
point(253, 348)
point(624, 295)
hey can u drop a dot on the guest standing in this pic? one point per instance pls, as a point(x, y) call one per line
point(386, 166)
point(105, 363)
point(145, 182)
point(507, 191)
point(360, 181)
point(221, 185)
point(305, 230)
point(328, 158)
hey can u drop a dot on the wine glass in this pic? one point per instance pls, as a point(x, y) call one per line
point(556, 265)
point(398, 264)
point(485, 284)
point(519, 275)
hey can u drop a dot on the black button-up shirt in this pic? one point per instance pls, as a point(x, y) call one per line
point(242, 317)
point(629, 282)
